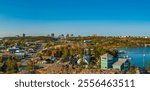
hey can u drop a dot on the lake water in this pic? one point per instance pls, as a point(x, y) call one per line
point(140, 56)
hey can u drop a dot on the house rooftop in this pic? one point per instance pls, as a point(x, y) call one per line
point(87, 55)
point(120, 61)
point(107, 55)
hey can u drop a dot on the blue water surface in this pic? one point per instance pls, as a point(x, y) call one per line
point(140, 56)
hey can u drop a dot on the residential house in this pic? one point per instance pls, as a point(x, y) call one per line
point(87, 58)
point(122, 64)
point(106, 61)
point(31, 50)
point(2, 46)
point(53, 58)
point(20, 53)
point(87, 41)
point(12, 50)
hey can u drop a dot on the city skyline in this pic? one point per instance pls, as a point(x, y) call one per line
point(86, 17)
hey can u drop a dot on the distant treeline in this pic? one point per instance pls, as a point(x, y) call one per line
point(101, 40)
point(34, 38)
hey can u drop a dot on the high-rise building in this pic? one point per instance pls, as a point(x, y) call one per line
point(71, 35)
point(24, 35)
point(52, 35)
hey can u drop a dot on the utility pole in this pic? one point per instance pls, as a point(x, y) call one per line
point(143, 58)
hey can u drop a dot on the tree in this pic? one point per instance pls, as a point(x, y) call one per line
point(30, 65)
point(99, 64)
point(65, 53)
point(132, 69)
point(19, 64)
point(91, 64)
point(11, 66)
point(67, 36)
point(101, 50)
point(47, 53)
point(38, 55)
point(113, 52)
point(1, 60)
point(81, 52)
point(148, 68)
point(52, 35)
point(96, 52)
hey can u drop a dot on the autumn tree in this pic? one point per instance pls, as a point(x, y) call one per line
point(148, 68)
point(66, 53)
point(30, 65)
point(11, 66)
point(132, 69)
point(81, 52)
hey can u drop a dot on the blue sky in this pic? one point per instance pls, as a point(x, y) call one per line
point(80, 17)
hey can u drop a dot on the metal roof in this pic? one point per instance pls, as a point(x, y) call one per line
point(120, 61)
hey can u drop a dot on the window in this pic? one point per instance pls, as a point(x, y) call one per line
point(104, 58)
